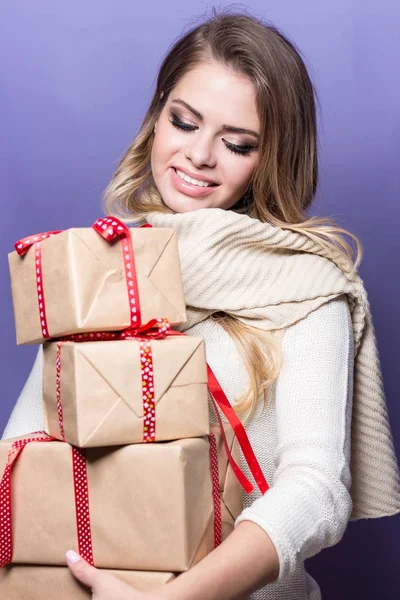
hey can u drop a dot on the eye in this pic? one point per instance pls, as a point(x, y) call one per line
point(239, 149)
point(243, 150)
point(180, 124)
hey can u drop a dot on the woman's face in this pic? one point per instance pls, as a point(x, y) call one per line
point(207, 131)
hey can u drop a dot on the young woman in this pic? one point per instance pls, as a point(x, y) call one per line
point(227, 154)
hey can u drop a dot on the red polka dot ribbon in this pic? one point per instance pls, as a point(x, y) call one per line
point(81, 490)
point(111, 229)
point(6, 543)
point(22, 247)
point(81, 499)
point(148, 399)
point(215, 491)
point(58, 392)
point(39, 290)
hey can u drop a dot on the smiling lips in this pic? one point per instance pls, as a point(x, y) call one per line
point(186, 174)
point(189, 188)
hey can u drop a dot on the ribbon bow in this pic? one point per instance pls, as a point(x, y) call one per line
point(111, 229)
point(156, 329)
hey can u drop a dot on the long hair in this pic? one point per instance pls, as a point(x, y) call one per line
point(285, 179)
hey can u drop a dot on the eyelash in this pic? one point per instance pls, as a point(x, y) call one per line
point(243, 150)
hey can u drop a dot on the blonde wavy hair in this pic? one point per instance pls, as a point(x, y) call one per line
point(284, 182)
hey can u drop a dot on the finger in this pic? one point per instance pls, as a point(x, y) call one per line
point(80, 569)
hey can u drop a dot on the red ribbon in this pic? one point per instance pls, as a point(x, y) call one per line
point(220, 398)
point(58, 392)
point(215, 490)
point(81, 491)
point(81, 500)
point(22, 246)
point(148, 398)
point(111, 229)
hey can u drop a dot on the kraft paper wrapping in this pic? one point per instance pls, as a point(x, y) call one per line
point(85, 287)
point(101, 391)
point(21, 582)
point(151, 505)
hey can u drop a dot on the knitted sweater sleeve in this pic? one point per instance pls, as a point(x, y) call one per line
point(308, 505)
point(27, 415)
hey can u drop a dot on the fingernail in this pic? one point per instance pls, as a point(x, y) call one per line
point(72, 557)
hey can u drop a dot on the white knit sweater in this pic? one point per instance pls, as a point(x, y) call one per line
point(301, 438)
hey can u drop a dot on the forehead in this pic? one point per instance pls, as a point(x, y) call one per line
point(220, 94)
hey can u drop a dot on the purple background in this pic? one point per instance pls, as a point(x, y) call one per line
point(76, 78)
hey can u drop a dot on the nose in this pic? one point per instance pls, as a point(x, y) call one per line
point(200, 151)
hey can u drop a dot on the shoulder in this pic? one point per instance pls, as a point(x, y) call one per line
point(333, 315)
point(326, 332)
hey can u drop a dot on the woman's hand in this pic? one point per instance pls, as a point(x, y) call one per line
point(103, 585)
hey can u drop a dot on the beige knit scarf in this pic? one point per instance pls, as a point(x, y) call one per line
point(270, 278)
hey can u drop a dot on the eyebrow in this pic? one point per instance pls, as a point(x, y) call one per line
point(199, 115)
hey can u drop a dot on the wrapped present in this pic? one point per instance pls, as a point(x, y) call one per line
point(120, 392)
point(104, 278)
point(152, 507)
point(28, 582)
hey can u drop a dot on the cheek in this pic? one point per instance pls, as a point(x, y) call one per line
point(165, 145)
point(238, 171)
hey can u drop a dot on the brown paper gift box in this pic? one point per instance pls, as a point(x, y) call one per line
point(22, 582)
point(101, 391)
point(85, 287)
point(151, 505)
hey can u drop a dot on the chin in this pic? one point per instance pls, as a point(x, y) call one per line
point(186, 204)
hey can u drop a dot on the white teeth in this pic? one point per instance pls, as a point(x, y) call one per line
point(192, 181)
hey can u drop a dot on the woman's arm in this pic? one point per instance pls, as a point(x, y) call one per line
point(27, 415)
point(244, 562)
point(309, 504)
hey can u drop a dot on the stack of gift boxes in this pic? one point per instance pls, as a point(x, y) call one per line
point(127, 471)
